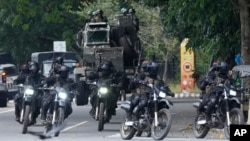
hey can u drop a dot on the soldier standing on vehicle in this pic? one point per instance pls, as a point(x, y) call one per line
point(91, 16)
point(99, 17)
point(135, 19)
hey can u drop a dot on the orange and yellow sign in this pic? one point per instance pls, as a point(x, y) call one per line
point(187, 67)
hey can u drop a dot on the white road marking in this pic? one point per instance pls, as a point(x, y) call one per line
point(70, 127)
point(167, 138)
point(6, 111)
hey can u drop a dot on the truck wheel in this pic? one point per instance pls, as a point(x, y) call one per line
point(82, 94)
point(3, 99)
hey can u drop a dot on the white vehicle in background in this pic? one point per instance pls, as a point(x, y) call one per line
point(8, 73)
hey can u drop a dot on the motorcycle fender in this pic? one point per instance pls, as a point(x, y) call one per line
point(234, 99)
point(62, 103)
point(166, 101)
point(129, 123)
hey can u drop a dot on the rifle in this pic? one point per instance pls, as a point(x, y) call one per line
point(137, 68)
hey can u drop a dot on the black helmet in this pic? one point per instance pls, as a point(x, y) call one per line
point(34, 67)
point(59, 60)
point(131, 11)
point(99, 11)
point(25, 68)
point(222, 68)
point(63, 71)
point(150, 68)
point(107, 68)
point(124, 10)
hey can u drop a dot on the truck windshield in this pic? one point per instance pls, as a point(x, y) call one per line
point(10, 70)
point(97, 37)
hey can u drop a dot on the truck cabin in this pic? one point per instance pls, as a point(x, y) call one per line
point(46, 67)
point(46, 59)
point(97, 34)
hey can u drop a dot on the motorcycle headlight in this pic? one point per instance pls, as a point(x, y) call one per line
point(162, 94)
point(232, 93)
point(62, 95)
point(103, 90)
point(29, 91)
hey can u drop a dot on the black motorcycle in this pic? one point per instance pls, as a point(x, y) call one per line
point(56, 112)
point(155, 119)
point(28, 105)
point(104, 101)
point(226, 111)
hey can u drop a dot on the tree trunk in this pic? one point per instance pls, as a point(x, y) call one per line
point(245, 40)
point(245, 31)
point(165, 68)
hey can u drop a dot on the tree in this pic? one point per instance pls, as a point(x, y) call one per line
point(211, 25)
point(30, 26)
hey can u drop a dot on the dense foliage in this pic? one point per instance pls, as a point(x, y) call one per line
point(212, 26)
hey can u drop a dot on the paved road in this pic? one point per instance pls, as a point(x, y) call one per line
point(80, 126)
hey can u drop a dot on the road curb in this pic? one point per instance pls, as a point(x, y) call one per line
point(185, 95)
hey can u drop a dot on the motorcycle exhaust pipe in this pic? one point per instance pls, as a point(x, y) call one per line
point(22, 113)
point(96, 112)
point(54, 117)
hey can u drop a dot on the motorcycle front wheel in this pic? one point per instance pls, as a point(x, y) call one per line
point(200, 130)
point(59, 119)
point(236, 117)
point(160, 131)
point(101, 117)
point(127, 132)
point(26, 119)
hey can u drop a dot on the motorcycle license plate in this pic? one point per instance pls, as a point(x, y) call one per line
point(129, 123)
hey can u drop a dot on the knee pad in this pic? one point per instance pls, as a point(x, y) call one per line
point(135, 100)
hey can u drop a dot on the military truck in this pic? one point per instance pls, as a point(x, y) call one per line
point(46, 59)
point(117, 42)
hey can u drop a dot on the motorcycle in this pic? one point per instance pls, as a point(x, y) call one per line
point(155, 119)
point(103, 103)
point(226, 111)
point(56, 112)
point(28, 105)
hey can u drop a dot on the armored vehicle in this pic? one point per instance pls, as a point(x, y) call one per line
point(117, 42)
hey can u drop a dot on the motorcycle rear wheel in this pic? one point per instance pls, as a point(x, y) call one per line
point(101, 117)
point(26, 119)
point(236, 117)
point(165, 121)
point(200, 131)
point(127, 132)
